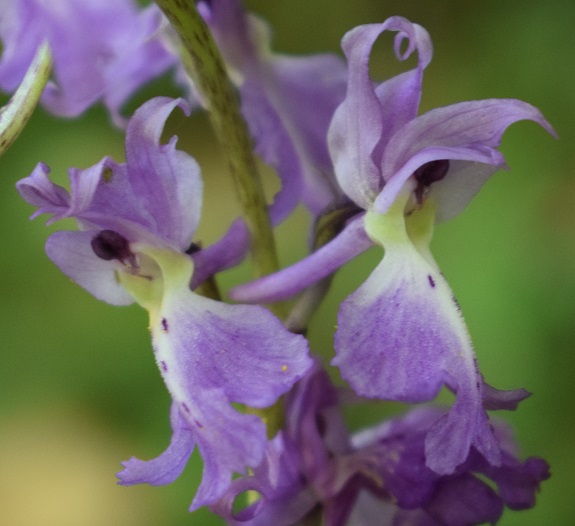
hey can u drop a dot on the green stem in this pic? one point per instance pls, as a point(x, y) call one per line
point(220, 99)
point(15, 115)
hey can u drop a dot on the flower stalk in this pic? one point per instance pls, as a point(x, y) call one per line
point(231, 130)
point(15, 115)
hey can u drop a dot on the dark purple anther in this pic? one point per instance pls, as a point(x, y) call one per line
point(428, 174)
point(108, 245)
point(193, 248)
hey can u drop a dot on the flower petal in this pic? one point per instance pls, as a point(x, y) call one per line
point(101, 48)
point(469, 131)
point(474, 155)
point(274, 145)
point(73, 255)
point(462, 181)
point(351, 242)
point(211, 354)
point(38, 190)
point(228, 441)
point(465, 500)
point(401, 337)
point(169, 465)
point(165, 182)
point(307, 92)
point(225, 253)
point(288, 103)
point(366, 118)
point(518, 483)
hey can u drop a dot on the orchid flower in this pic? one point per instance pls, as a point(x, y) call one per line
point(401, 335)
point(137, 220)
point(288, 103)
point(376, 473)
point(102, 49)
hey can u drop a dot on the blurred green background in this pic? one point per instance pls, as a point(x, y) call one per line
point(79, 391)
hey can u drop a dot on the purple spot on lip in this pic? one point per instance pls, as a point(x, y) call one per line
point(199, 424)
point(186, 408)
point(164, 325)
point(164, 366)
point(431, 281)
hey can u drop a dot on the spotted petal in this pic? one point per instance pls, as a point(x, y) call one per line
point(401, 337)
point(211, 354)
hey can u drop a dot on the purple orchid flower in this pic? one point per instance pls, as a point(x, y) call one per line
point(136, 222)
point(102, 49)
point(377, 476)
point(401, 335)
point(288, 103)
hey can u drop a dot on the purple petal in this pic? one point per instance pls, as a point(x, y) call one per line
point(72, 253)
point(169, 465)
point(228, 441)
point(400, 95)
point(18, 26)
point(357, 125)
point(494, 399)
point(234, 33)
point(101, 48)
point(287, 102)
point(315, 425)
point(83, 186)
point(351, 242)
point(518, 483)
point(469, 155)
point(308, 91)
point(227, 252)
point(211, 354)
point(465, 500)
point(450, 438)
point(242, 349)
point(274, 145)
point(143, 57)
point(469, 131)
point(462, 181)
point(366, 118)
point(103, 199)
point(401, 337)
point(284, 496)
point(165, 182)
point(39, 191)
point(154, 198)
